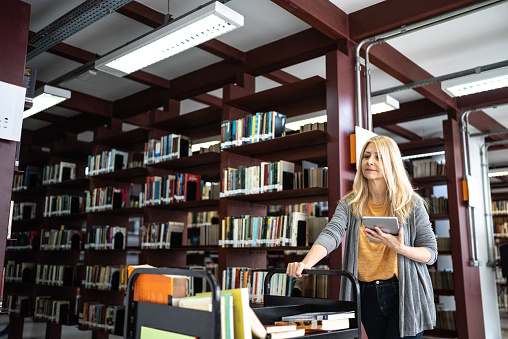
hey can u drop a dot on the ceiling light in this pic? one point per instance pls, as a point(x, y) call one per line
point(45, 97)
point(295, 125)
point(476, 83)
point(498, 174)
point(383, 103)
point(179, 35)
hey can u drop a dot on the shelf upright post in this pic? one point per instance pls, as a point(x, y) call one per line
point(340, 109)
point(468, 300)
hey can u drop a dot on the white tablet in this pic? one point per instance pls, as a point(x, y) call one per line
point(386, 224)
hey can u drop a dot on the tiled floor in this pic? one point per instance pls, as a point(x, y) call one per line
point(37, 330)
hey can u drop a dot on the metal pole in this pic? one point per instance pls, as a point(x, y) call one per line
point(358, 84)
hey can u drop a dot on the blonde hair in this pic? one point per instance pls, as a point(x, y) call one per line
point(399, 191)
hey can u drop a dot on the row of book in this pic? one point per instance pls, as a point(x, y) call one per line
point(195, 219)
point(500, 207)
point(31, 177)
point(23, 210)
point(105, 199)
point(17, 304)
point(59, 172)
point(17, 272)
point(106, 162)
point(203, 235)
point(106, 237)
point(312, 286)
point(311, 177)
point(265, 177)
point(252, 128)
point(501, 227)
point(446, 320)
point(98, 316)
point(442, 280)
point(426, 168)
point(265, 231)
point(162, 235)
point(57, 275)
point(57, 205)
point(321, 126)
point(437, 205)
point(443, 244)
point(168, 147)
point(109, 278)
point(172, 188)
point(26, 240)
point(51, 310)
point(60, 239)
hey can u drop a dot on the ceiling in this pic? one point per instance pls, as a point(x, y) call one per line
point(467, 42)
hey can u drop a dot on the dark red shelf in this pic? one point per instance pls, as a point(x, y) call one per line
point(190, 206)
point(309, 146)
point(285, 197)
point(205, 164)
point(199, 124)
point(301, 97)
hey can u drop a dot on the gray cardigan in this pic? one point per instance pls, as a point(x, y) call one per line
point(416, 297)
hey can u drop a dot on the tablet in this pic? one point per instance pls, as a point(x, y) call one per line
point(386, 224)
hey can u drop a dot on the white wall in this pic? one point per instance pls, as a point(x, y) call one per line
point(487, 276)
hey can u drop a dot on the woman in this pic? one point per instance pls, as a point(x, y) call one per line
point(397, 299)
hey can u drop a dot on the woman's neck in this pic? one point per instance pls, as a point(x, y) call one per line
point(377, 191)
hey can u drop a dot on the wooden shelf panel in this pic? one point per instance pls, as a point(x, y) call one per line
point(125, 175)
point(189, 206)
point(205, 164)
point(438, 216)
point(444, 292)
point(285, 197)
point(119, 211)
point(199, 124)
point(305, 96)
point(425, 182)
point(75, 183)
point(295, 147)
point(422, 146)
point(124, 139)
point(440, 333)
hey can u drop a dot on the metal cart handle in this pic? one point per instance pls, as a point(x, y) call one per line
point(210, 278)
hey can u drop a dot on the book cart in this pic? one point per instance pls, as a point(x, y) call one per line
point(206, 325)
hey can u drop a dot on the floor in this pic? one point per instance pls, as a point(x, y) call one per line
point(37, 330)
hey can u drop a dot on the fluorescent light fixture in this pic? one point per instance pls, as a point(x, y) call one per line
point(295, 125)
point(498, 174)
point(46, 97)
point(179, 35)
point(383, 103)
point(197, 147)
point(423, 155)
point(476, 83)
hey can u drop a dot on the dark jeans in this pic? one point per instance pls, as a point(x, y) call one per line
point(380, 309)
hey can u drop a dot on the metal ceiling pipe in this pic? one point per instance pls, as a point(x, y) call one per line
point(430, 81)
point(358, 83)
point(473, 244)
point(487, 200)
point(409, 29)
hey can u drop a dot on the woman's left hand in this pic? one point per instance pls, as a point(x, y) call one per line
point(391, 241)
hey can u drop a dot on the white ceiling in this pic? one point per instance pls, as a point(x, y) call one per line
point(474, 40)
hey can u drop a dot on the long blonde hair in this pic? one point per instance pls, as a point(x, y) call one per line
point(399, 191)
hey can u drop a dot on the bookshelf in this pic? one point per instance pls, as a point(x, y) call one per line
point(331, 148)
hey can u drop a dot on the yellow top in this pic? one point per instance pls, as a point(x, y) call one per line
point(375, 260)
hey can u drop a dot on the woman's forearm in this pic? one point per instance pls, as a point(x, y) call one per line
point(316, 253)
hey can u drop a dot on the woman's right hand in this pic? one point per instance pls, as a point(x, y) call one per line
point(295, 269)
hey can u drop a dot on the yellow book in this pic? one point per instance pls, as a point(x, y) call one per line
point(241, 312)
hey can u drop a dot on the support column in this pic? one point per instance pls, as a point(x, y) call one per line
point(468, 299)
point(14, 20)
point(340, 100)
